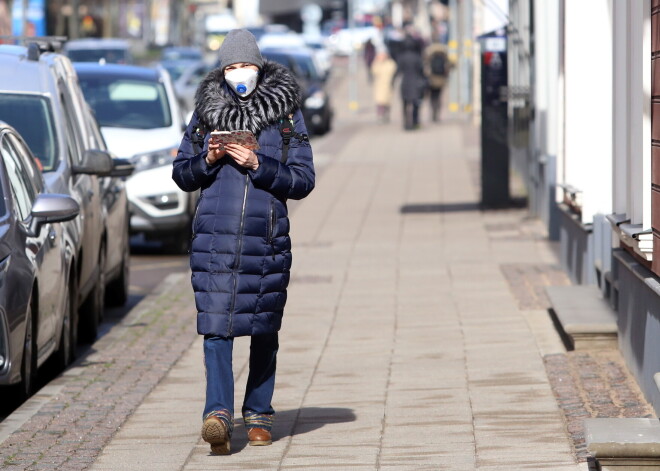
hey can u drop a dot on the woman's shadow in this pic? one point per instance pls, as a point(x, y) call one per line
point(295, 422)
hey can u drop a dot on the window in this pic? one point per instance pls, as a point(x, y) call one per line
point(31, 116)
point(22, 189)
point(127, 103)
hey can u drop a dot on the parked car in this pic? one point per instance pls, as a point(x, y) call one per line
point(317, 106)
point(186, 83)
point(107, 50)
point(37, 267)
point(181, 53)
point(41, 98)
point(141, 120)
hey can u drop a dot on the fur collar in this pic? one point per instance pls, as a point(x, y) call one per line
point(277, 96)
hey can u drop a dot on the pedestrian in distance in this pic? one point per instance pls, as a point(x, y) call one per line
point(369, 56)
point(436, 68)
point(383, 70)
point(240, 255)
point(410, 68)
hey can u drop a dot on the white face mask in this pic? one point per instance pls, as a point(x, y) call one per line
point(243, 81)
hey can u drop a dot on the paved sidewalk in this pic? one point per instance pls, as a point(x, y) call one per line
point(402, 347)
point(413, 339)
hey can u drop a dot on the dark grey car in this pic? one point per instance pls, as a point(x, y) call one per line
point(40, 96)
point(37, 272)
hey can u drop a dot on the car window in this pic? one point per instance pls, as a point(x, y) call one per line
point(73, 134)
point(197, 75)
point(127, 103)
point(112, 56)
point(31, 116)
point(306, 65)
point(19, 179)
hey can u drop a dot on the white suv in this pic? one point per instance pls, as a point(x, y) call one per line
point(141, 120)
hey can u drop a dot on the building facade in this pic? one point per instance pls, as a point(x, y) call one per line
point(593, 155)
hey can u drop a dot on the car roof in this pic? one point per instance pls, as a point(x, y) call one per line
point(297, 52)
point(24, 75)
point(117, 71)
point(94, 43)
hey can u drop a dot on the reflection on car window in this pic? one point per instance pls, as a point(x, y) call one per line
point(30, 115)
point(111, 56)
point(127, 103)
point(22, 189)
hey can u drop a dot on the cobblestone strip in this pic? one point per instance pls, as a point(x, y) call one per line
point(592, 384)
point(104, 388)
point(586, 384)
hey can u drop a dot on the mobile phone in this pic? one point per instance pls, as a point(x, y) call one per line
point(242, 137)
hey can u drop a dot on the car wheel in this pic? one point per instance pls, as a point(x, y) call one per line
point(117, 291)
point(29, 360)
point(91, 312)
point(68, 342)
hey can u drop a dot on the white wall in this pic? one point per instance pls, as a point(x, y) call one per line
point(588, 105)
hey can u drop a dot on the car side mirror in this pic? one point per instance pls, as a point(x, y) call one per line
point(49, 208)
point(122, 168)
point(95, 162)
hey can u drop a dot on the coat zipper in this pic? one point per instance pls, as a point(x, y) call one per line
point(237, 263)
point(271, 228)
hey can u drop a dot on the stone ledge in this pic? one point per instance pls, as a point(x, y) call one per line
point(584, 318)
point(624, 444)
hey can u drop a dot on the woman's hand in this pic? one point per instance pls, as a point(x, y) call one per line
point(243, 156)
point(216, 151)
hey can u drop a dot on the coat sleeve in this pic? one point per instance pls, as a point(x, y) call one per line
point(190, 170)
point(294, 179)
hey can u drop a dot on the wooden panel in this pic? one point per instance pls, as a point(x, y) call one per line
point(655, 208)
point(655, 262)
point(655, 33)
point(655, 166)
point(655, 86)
point(655, 120)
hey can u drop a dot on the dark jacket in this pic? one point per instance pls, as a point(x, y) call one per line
point(413, 81)
point(241, 251)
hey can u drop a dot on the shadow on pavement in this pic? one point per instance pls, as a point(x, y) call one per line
point(431, 208)
point(293, 422)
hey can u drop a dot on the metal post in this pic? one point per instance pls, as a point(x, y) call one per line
point(352, 62)
point(452, 46)
point(466, 56)
point(25, 18)
point(74, 20)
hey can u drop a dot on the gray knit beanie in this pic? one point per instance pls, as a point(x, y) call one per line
point(239, 46)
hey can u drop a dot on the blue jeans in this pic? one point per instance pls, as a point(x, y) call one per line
point(220, 377)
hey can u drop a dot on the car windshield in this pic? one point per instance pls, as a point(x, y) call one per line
point(306, 65)
point(175, 69)
point(31, 116)
point(127, 102)
point(181, 54)
point(111, 56)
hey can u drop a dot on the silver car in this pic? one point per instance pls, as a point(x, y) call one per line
point(41, 98)
point(37, 267)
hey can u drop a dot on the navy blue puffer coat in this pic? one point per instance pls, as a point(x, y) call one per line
point(241, 251)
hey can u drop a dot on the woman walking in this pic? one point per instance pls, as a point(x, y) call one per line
point(241, 251)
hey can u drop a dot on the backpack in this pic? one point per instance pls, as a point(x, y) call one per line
point(438, 64)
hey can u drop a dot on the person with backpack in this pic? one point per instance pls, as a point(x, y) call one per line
point(436, 68)
point(240, 254)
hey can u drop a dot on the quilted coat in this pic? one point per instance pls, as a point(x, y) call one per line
point(241, 251)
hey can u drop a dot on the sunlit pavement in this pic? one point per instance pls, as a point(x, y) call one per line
point(404, 344)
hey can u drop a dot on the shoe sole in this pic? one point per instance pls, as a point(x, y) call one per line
point(215, 434)
point(260, 442)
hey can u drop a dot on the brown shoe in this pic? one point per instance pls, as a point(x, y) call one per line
point(214, 432)
point(259, 437)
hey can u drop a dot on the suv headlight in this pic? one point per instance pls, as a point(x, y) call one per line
point(316, 100)
point(164, 201)
point(154, 159)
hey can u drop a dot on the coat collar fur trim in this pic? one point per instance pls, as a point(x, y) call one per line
point(277, 95)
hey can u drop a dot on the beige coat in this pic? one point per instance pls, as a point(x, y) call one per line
point(383, 71)
point(436, 81)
